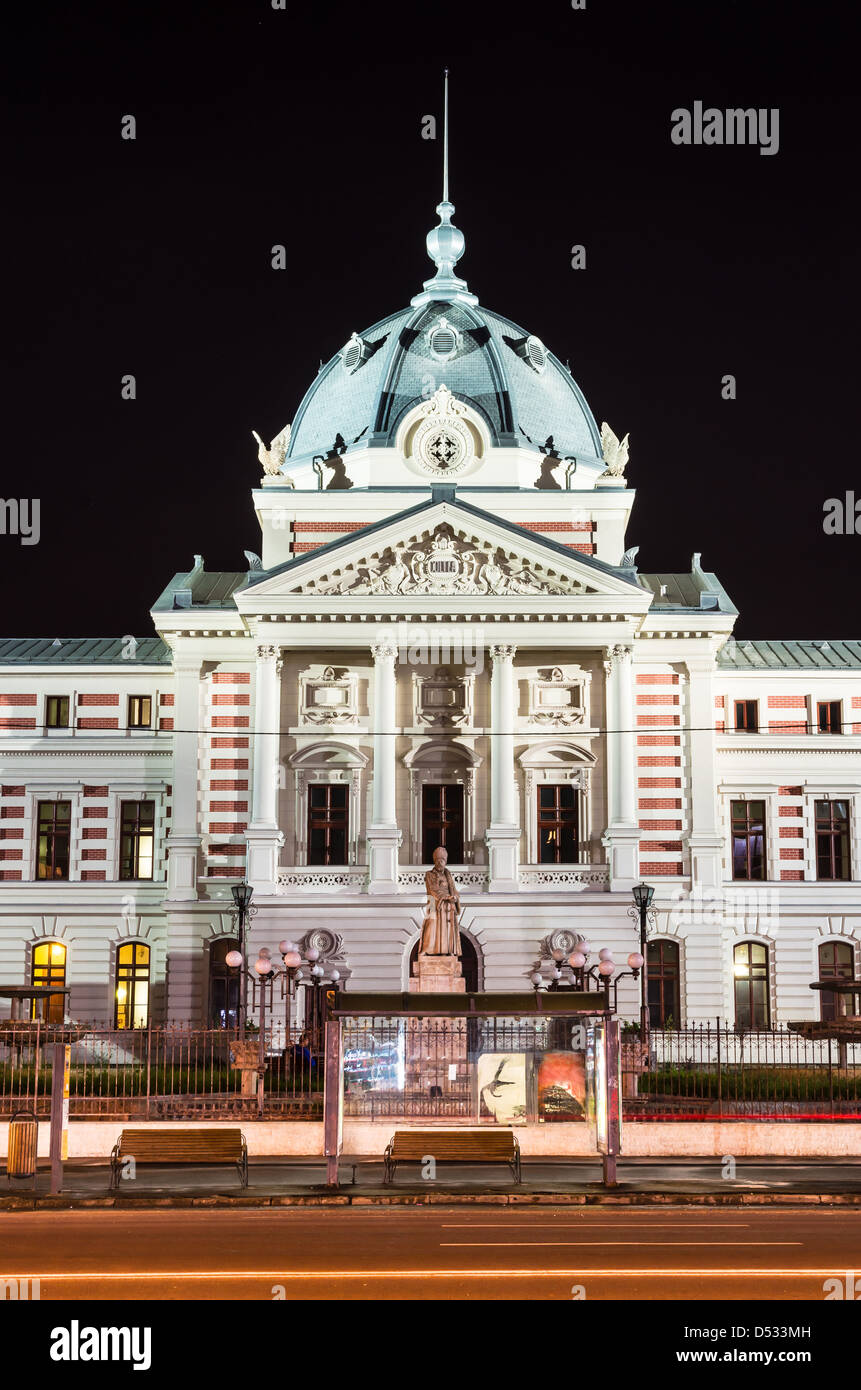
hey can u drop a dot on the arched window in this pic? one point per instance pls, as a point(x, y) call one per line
point(663, 983)
point(132, 996)
point(750, 974)
point(223, 986)
point(49, 968)
point(836, 962)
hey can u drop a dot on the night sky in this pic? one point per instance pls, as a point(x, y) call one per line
point(258, 126)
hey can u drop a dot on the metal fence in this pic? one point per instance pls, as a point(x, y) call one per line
point(714, 1070)
point(474, 1069)
point(171, 1072)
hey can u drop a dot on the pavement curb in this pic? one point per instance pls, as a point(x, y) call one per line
point(20, 1202)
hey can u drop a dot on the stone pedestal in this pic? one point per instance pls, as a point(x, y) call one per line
point(245, 1057)
point(437, 1055)
point(437, 975)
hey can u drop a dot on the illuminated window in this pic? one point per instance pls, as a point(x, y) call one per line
point(748, 839)
point(140, 711)
point(54, 826)
point(557, 824)
point(750, 971)
point(137, 839)
point(49, 968)
point(132, 1001)
point(57, 712)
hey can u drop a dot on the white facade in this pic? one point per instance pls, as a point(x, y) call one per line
point(441, 603)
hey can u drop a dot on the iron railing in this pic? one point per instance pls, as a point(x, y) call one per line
point(471, 1069)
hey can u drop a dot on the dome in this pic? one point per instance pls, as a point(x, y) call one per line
point(521, 391)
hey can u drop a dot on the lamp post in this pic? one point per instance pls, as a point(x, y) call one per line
point(643, 894)
point(576, 970)
point(242, 894)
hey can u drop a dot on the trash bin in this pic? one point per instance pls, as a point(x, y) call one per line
point(23, 1141)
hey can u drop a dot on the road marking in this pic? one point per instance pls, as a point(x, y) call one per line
point(279, 1275)
point(661, 1244)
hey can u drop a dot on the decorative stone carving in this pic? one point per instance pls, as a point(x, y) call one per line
point(329, 698)
point(443, 442)
point(273, 457)
point(448, 565)
point(615, 452)
point(559, 701)
point(615, 654)
point(268, 653)
point(443, 700)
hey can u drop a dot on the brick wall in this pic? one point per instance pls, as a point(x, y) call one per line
point(659, 768)
point(228, 751)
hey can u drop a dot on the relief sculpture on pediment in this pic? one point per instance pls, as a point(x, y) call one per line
point(448, 566)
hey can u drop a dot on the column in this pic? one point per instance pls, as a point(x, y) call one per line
point(503, 834)
point(263, 837)
point(622, 835)
point(183, 842)
point(384, 837)
point(705, 841)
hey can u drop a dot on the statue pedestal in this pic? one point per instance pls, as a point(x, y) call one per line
point(437, 975)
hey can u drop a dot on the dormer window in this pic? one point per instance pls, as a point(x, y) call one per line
point(443, 340)
point(354, 353)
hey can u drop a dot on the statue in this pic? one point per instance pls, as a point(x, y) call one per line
point(440, 935)
point(273, 457)
point(615, 453)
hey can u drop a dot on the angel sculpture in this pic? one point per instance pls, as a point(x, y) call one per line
point(615, 454)
point(273, 457)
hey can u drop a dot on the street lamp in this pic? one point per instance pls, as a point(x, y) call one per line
point(242, 894)
point(642, 893)
point(575, 970)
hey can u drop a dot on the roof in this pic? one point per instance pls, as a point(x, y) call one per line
point(487, 369)
point(84, 651)
point(207, 589)
point(742, 655)
point(443, 493)
point(685, 591)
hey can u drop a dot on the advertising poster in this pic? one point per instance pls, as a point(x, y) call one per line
point(502, 1087)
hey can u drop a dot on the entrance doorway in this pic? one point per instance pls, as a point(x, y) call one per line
point(442, 820)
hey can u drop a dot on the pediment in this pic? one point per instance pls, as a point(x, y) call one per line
point(448, 551)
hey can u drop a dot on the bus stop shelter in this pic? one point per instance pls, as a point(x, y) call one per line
point(476, 1059)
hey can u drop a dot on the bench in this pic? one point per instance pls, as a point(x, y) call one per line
point(206, 1147)
point(453, 1146)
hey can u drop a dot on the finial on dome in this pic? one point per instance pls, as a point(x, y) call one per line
point(445, 242)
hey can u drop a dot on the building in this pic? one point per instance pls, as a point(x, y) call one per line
point(443, 640)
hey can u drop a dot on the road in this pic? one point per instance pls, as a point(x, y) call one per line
point(455, 1252)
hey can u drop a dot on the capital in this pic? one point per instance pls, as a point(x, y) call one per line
point(502, 652)
point(384, 651)
point(268, 653)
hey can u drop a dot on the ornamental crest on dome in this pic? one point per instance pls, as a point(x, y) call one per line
point(443, 442)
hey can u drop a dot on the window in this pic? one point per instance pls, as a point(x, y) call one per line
point(748, 839)
point(831, 820)
point(828, 717)
point(328, 817)
point(54, 825)
point(137, 839)
point(442, 820)
point(750, 971)
point(746, 716)
point(836, 962)
point(49, 969)
point(57, 712)
point(662, 983)
point(557, 824)
point(140, 711)
point(224, 985)
point(132, 1001)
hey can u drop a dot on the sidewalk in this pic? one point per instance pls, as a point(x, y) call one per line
point(301, 1182)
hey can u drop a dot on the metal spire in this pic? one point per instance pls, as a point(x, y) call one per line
point(445, 242)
